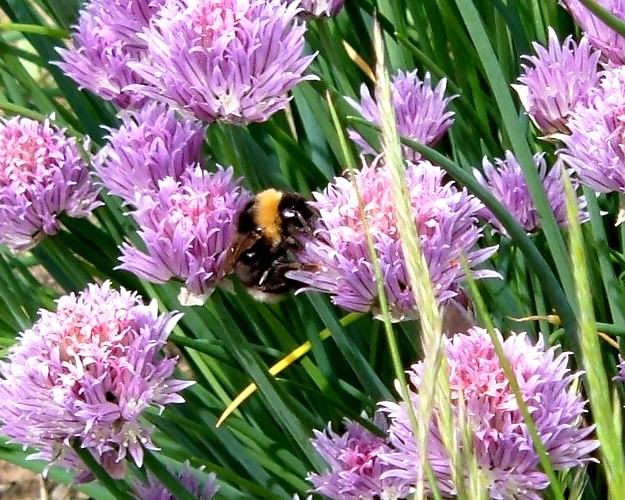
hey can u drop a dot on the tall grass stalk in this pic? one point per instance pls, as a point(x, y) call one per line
point(434, 396)
point(609, 430)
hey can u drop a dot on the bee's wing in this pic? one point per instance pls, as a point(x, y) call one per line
point(242, 243)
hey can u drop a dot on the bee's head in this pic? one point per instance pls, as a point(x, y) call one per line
point(295, 212)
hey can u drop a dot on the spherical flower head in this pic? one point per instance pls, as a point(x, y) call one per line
point(187, 227)
point(595, 148)
point(600, 35)
point(188, 478)
point(420, 111)
point(42, 176)
point(445, 219)
point(355, 473)
point(227, 60)
point(152, 143)
point(85, 374)
point(557, 78)
point(506, 181)
point(321, 8)
point(501, 440)
point(104, 42)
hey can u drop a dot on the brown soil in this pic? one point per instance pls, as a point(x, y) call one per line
point(17, 483)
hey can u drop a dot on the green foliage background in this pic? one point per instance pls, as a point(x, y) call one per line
point(264, 450)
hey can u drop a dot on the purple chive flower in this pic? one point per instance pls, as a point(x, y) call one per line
point(321, 8)
point(559, 77)
point(86, 373)
point(507, 183)
point(188, 478)
point(187, 227)
point(129, 18)
point(104, 42)
point(229, 60)
point(151, 144)
point(42, 175)
point(356, 472)
point(594, 148)
point(445, 218)
point(500, 438)
point(602, 37)
point(420, 111)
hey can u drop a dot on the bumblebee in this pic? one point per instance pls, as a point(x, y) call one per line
point(269, 231)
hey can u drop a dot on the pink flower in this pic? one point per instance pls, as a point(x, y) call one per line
point(500, 438)
point(595, 147)
point(87, 372)
point(42, 176)
point(231, 60)
point(105, 41)
point(559, 77)
point(187, 227)
point(506, 181)
point(420, 111)
point(152, 143)
point(356, 472)
point(445, 219)
point(602, 37)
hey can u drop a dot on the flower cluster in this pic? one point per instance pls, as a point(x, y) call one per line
point(188, 479)
point(151, 144)
point(507, 183)
point(42, 175)
point(594, 148)
point(187, 226)
point(233, 60)
point(559, 77)
point(500, 438)
point(601, 36)
point(420, 111)
point(445, 220)
point(364, 465)
point(356, 471)
point(106, 40)
point(185, 214)
point(582, 107)
point(85, 374)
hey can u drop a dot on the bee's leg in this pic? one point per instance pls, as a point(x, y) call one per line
point(274, 280)
point(293, 244)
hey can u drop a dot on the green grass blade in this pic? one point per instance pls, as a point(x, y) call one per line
point(517, 137)
point(609, 432)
